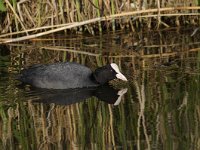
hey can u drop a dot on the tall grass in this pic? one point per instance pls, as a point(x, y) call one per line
point(25, 15)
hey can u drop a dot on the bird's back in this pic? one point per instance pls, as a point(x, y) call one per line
point(58, 76)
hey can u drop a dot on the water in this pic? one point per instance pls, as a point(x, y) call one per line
point(159, 110)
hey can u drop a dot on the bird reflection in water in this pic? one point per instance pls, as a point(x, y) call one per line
point(104, 93)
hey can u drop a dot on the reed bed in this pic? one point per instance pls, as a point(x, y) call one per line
point(31, 19)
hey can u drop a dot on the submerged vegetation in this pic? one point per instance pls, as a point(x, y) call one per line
point(31, 19)
point(159, 111)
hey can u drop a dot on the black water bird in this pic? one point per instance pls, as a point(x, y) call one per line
point(69, 75)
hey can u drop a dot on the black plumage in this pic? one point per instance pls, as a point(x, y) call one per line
point(66, 75)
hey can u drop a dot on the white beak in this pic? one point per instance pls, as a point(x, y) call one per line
point(119, 75)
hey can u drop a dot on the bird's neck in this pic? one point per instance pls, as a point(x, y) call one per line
point(93, 78)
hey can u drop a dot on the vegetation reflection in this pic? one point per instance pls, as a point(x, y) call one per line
point(159, 111)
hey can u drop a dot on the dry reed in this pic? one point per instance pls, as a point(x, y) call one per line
point(42, 18)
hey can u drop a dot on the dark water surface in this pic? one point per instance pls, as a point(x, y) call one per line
point(159, 108)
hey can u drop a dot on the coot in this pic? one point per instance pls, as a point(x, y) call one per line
point(69, 75)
